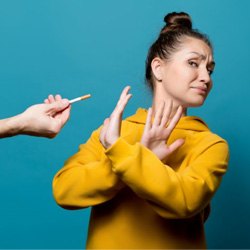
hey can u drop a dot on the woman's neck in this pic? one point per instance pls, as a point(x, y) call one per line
point(160, 97)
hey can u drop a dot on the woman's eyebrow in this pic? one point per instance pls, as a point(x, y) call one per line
point(203, 57)
point(198, 54)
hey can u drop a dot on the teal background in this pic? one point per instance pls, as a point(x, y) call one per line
point(75, 47)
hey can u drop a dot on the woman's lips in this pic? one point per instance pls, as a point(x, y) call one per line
point(201, 90)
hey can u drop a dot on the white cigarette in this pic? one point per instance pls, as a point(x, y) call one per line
point(80, 98)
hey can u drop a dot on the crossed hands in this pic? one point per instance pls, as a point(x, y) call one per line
point(156, 132)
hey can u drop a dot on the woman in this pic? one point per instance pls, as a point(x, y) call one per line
point(150, 178)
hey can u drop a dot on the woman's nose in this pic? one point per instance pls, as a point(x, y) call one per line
point(204, 75)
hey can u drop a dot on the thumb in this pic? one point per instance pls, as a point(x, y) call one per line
point(176, 144)
point(104, 131)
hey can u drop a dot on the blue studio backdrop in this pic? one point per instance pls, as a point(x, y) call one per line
point(75, 47)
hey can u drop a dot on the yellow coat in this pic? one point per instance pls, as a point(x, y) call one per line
point(139, 202)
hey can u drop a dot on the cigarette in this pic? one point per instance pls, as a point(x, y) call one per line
point(80, 98)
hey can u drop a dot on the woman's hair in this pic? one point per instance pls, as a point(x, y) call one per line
point(178, 26)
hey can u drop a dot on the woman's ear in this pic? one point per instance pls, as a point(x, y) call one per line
point(156, 66)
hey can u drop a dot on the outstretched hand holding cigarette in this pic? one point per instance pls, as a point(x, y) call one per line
point(60, 116)
point(45, 120)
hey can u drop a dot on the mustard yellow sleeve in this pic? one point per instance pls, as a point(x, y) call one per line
point(171, 194)
point(87, 178)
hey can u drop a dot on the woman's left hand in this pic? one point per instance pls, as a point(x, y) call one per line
point(156, 133)
point(110, 131)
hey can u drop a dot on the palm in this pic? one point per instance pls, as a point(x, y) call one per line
point(156, 133)
point(157, 143)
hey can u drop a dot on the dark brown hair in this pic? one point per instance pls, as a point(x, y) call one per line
point(177, 27)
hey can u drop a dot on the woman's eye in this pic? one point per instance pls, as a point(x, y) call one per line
point(210, 71)
point(193, 64)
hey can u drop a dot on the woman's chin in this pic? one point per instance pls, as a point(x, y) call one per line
point(197, 102)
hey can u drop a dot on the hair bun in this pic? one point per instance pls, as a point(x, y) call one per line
point(176, 20)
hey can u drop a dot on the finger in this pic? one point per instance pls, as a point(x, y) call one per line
point(124, 93)
point(46, 101)
point(166, 114)
point(57, 107)
point(58, 98)
point(148, 124)
point(121, 104)
point(51, 98)
point(175, 119)
point(116, 116)
point(106, 123)
point(104, 130)
point(159, 114)
point(65, 114)
point(176, 144)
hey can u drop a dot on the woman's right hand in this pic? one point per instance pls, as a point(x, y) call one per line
point(156, 133)
point(110, 131)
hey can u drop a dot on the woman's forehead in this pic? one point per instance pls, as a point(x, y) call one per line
point(195, 47)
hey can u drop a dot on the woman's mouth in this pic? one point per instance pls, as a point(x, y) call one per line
point(200, 90)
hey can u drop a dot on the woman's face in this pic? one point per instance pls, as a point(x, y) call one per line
point(186, 76)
